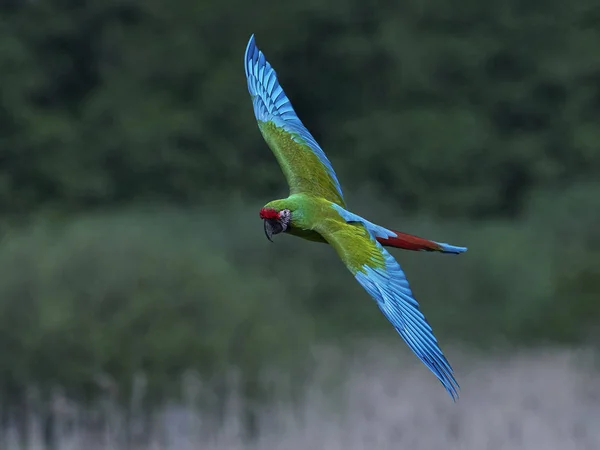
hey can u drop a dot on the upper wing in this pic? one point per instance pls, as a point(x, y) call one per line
point(302, 161)
point(381, 276)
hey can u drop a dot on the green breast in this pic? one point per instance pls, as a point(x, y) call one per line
point(309, 235)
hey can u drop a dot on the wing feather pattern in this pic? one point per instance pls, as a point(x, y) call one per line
point(300, 157)
point(382, 277)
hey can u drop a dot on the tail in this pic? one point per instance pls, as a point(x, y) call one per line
point(391, 238)
point(415, 243)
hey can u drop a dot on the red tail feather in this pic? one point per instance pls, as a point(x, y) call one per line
point(410, 242)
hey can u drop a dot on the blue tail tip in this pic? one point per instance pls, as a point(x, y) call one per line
point(447, 248)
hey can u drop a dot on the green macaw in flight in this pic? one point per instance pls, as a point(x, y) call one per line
point(316, 210)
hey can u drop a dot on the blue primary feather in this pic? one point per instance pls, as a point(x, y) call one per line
point(390, 288)
point(271, 104)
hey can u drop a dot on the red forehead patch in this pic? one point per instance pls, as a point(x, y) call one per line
point(269, 213)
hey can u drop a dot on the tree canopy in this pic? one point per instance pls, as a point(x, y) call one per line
point(453, 110)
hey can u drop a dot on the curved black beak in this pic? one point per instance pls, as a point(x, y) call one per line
point(272, 227)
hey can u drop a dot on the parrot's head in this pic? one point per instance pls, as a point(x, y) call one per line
point(275, 221)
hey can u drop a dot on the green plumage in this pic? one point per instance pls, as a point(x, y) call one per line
point(314, 218)
point(315, 210)
point(302, 168)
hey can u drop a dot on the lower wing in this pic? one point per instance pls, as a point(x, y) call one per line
point(381, 276)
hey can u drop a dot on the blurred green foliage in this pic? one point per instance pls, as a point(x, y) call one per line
point(460, 111)
point(485, 114)
point(160, 291)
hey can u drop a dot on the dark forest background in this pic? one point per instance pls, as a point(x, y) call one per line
point(132, 172)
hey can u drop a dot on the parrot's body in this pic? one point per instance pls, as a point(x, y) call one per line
point(315, 210)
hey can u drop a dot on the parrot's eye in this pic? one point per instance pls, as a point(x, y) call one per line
point(284, 218)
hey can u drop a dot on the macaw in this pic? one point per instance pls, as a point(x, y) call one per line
point(315, 210)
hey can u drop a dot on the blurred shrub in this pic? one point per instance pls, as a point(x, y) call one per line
point(125, 293)
point(159, 291)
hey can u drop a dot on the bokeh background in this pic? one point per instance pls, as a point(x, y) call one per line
point(140, 304)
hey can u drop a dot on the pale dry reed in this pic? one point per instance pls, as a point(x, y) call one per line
point(537, 400)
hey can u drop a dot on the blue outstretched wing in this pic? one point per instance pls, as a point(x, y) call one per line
point(302, 160)
point(382, 277)
point(390, 288)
